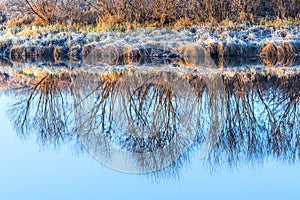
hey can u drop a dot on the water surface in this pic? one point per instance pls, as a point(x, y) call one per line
point(155, 132)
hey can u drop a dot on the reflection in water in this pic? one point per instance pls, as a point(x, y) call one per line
point(138, 118)
point(43, 107)
point(261, 121)
point(140, 122)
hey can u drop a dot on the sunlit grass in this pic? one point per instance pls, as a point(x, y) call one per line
point(33, 30)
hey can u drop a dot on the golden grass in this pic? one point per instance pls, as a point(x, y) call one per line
point(269, 51)
point(184, 12)
point(96, 15)
point(274, 53)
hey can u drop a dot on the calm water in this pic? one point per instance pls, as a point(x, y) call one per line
point(156, 134)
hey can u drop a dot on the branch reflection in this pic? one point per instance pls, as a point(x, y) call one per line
point(42, 107)
point(143, 122)
point(262, 120)
point(142, 117)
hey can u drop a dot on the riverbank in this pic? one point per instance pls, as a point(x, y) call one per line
point(197, 46)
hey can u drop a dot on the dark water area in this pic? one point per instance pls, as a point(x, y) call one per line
point(156, 131)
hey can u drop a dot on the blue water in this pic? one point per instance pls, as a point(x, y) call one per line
point(29, 170)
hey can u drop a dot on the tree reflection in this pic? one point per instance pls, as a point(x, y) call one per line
point(42, 107)
point(139, 113)
point(261, 120)
point(153, 121)
point(152, 101)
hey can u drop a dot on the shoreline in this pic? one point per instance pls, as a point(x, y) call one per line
point(196, 46)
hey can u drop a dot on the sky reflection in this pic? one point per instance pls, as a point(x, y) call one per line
point(31, 172)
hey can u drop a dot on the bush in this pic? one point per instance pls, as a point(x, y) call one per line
point(157, 12)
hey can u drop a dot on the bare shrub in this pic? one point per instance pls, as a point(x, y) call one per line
point(156, 12)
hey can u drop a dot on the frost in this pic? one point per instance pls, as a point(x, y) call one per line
point(195, 47)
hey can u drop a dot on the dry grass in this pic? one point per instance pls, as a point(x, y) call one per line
point(269, 51)
point(273, 53)
point(185, 13)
